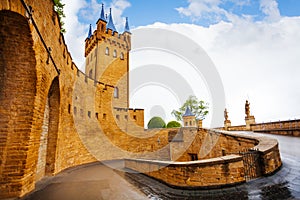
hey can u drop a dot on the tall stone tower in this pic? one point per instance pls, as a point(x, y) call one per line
point(107, 57)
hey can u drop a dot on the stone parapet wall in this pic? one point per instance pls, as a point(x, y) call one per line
point(289, 127)
point(206, 143)
point(268, 149)
point(215, 172)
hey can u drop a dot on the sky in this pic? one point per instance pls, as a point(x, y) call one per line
point(254, 45)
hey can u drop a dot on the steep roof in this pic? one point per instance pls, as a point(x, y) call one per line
point(102, 15)
point(127, 29)
point(110, 24)
point(90, 32)
point(188, 112)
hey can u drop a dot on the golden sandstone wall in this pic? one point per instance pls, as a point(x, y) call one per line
point(207, 144)
point(209, 173)
point(27, 74)
point(289, 127)
point(53, 116)
point(215, 168)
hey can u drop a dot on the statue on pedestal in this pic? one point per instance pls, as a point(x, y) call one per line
point(247, 109)
point(226, 114)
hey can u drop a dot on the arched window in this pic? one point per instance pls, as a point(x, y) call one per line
point(115, 53)
point(116, 92)
point(107, 51)
point(122, 56)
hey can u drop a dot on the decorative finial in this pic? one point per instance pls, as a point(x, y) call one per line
point(102, 13)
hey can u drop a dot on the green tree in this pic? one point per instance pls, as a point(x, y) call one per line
point(156, 122)
point(59, 8)
point(198, 107)
point(173, 124)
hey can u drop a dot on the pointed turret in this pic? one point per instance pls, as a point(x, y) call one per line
point(102, 15)
point(127, 29)
point(101, 23)
point(90, 32)
point(189, 119)
point(110, 24)
point(188, 112)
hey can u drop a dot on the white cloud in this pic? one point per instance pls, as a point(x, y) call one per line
point(201, 8)
point(91, 11)
point(270, 9)
point(76, 31)
point(209, 9)
point(256, 60)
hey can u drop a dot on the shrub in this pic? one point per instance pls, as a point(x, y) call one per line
point(173, 124)
point(156, 122)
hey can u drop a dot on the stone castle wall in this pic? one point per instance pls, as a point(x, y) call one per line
point(207, 144)
point(53, 116)
point(289, 127)
point(29, 80)
point(209, 173)
point(222, 164)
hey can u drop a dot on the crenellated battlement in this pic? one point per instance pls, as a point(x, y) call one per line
point(106, 32)
point(116, 40)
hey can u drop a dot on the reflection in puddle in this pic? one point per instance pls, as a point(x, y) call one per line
point(278, 191)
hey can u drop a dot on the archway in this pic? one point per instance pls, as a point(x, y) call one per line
point(18, 81)
point(54, 104)
point(48, 138)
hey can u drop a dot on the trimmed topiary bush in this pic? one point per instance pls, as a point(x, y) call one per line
point(173, 124)
point(156, 122)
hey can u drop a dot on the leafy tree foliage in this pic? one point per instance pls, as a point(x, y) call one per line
point(173, 124)
point(59, 8)
point(156, 122)
point(198, 107)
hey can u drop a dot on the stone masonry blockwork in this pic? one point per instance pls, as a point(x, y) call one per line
point(53, 116)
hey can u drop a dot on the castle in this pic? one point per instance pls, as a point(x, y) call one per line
point(53, 116)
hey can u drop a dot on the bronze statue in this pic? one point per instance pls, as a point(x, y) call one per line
point(247, 108)
point(225, 114)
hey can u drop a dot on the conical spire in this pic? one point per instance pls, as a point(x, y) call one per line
point(90, 32)
point(188, 112)
point(102, 16)
point(127, 29)
point(111, 25)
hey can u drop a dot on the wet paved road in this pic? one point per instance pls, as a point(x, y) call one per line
point(97, 181)
point(90, 182)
